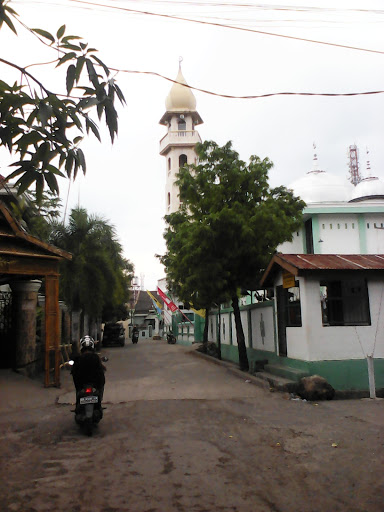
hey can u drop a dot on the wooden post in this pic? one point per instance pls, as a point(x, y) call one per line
point(52, 331)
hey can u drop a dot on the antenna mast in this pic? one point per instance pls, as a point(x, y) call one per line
point(355, 176)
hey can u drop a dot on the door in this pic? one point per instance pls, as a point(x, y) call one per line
point(281, 320)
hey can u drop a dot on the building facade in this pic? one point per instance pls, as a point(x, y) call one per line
point(327, 312)
point(178, 148)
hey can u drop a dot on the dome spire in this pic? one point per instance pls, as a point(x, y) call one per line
point(180, 100)
point(369, 172)
point(315, 161)
point(180, 97)
point(315, 168)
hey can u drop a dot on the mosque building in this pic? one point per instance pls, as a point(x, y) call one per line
point(326, 315)
point(178, 148)
point(178, 145)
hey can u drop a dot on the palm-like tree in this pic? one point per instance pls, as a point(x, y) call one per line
point(97, 279)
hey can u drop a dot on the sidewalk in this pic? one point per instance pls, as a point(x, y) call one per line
point(18, 391)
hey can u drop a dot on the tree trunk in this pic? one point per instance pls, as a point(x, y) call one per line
point(243, 358)
point(206, 326)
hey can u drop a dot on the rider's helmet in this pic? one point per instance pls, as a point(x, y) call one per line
point(87, 342)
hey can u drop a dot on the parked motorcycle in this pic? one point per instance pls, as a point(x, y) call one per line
point(135, 337)
point(171, 339)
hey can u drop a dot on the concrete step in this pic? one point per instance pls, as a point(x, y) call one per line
point(287, 372)
point(276, 382)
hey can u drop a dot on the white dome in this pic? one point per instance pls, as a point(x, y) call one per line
point(180, 98)
point(368, 188)
point(322, 187)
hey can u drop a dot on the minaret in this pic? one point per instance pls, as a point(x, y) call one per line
point(178, 145)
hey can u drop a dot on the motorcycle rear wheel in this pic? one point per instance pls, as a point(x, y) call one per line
point(88, 425)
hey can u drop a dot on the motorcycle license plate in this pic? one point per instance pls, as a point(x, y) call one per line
point(89, 400)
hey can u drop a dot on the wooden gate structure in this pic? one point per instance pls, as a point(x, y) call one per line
point(25, 259)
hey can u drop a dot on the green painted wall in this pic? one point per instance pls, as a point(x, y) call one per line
point(342, 375)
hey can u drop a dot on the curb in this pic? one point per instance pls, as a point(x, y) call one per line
point(231, 368)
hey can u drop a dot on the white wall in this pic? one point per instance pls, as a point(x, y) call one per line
point(294, 247)
point(316, 342)
point(340, 234)
point(374, 236)
point(263, 316)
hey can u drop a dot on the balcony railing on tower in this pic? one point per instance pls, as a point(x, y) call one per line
point(179, 137)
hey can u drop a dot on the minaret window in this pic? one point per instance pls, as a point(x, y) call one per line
point(169, 199)
point(181, 124)
point(182, 160)
point(169, 164)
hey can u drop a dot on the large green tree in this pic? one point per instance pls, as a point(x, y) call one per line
point(44, 128)
point(228, 226)
point(97, 279)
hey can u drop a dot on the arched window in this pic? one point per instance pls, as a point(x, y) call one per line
point(181, 124)
point(169, 199)
point(169, 164)
point(182, 160)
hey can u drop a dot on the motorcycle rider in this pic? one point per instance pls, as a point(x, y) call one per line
point(88, 368)
point(135, 334)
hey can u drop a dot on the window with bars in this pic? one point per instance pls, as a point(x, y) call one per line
point(345, 302)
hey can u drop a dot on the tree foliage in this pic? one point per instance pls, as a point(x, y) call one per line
point(43, 128)
point(229, 224)
point(97, 279)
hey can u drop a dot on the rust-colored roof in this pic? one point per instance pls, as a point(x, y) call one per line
point(16, 241)
point(297, 264)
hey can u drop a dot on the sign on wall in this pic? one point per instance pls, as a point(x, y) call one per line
point(288, 280)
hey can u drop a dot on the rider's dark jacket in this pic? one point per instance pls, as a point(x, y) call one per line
point(88, 369)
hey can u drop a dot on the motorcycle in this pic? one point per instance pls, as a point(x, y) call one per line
point(171, 339)
point(88, 410)
point(135, 337)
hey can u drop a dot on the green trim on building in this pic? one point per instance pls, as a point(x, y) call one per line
point(348, 209)
point(316, 234)
point(362, 234)
point(348, 375)
point(199, 324)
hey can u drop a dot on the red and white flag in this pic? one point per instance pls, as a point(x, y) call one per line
point(171, 305)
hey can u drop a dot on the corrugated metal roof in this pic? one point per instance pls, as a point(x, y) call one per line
point(298, 264)
point(335, 261)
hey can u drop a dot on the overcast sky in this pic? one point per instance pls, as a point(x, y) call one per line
point(125, 182)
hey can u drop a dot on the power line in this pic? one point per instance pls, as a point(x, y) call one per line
point(221, 25)
point(254, 96)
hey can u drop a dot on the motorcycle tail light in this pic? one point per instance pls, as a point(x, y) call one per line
point(88, 391)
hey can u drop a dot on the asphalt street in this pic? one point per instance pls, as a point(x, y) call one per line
point(183, 434)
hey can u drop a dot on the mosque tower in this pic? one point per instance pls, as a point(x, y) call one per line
point(178, 145)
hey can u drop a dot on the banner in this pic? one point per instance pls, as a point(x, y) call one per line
point(154, 300)
point(171, 305)
point(200, 312)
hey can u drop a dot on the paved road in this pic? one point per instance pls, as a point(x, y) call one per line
point(181, 434)
point(154, 370)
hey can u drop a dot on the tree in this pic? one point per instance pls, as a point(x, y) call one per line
point(193, 275)
point(45, 129)
point(97, 278)
point(229, 224)
point(41, 213)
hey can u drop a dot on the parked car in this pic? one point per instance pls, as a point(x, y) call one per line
point(114, 334)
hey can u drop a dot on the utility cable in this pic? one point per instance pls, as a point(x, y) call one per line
point(220, 25)
point(249, 97)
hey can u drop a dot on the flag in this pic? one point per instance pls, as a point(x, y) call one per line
point(200, 312)
point(155, 301)
point(171, 305)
